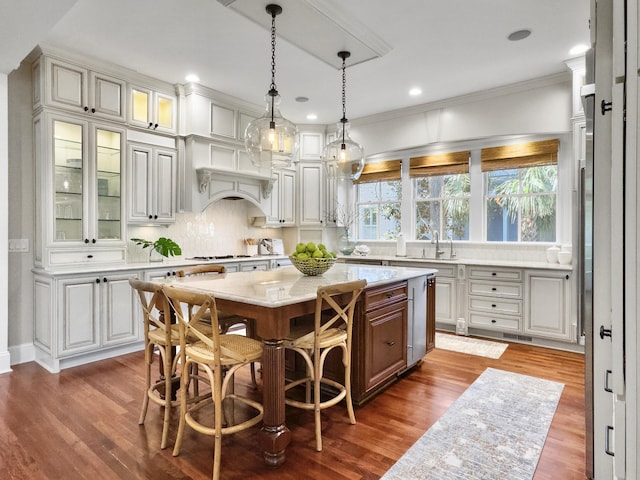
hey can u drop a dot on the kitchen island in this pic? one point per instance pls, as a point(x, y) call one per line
point(390, 312)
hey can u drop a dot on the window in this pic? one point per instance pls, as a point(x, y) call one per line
point(441, 188)
point(521, 204)
point(378, 206)
point(442, 204)
point(521, 183)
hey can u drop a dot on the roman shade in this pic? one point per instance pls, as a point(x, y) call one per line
point(381, 172)
point(451, 163)
point(531, 154)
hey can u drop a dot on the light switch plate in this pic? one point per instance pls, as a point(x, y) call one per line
point(18, 244)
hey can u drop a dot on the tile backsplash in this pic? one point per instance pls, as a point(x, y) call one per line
point(219, 230)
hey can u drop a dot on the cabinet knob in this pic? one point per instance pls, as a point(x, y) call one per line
point(105, 280)
point(150, 217)
point(86, 240)
point(97, 280)
point(604, 332)
point(155, 126)
point(567, 277)
point(390, 343)
point(493, 320)
point(255, 266)
point(150, 124)
point(155, 217)
point(493, 289)
point(89, 256)
point(389, 294)
point(493, 305)
point(493, 274)
point(93, 110)
point(86, 109)
point(93, 240)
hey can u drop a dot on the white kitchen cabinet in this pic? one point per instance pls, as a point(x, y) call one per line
point(416, 320)
point(311, 193)
point(85, 318)
point(152, 109)
point(495, 298)
point(311, 145)
point(280, 207)
point(75, 88)
point(78, 191)
point(151, 184)
point(549, 305)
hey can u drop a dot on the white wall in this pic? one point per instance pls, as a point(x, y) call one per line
point(4, 203)
point(534, 107)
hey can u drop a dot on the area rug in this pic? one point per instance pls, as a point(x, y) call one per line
point(472, 346)
point(495, 431)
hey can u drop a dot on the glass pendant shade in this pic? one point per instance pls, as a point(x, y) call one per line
point(271, 140)
point(344, 156)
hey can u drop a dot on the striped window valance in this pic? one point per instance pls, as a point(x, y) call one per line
point(532, 154)
point(381, 172)
point(451, 163)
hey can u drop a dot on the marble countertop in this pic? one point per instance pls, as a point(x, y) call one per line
point(286, 286)
point(462, 261)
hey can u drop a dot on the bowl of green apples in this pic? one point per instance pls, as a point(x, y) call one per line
point(312, 259)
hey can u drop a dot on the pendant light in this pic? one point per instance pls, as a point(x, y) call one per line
point(343, 155)
point(271, 140)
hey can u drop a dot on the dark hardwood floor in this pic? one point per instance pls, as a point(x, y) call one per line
point(83, 423)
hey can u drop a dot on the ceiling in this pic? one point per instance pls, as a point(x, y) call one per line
point(447, 48)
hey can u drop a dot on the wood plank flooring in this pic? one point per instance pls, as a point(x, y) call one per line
point(83, 424)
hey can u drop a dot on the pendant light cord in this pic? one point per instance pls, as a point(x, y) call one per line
point(344, 120)
point(273, 90)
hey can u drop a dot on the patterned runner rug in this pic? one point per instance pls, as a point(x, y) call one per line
point(495, 431)
point(472, 346)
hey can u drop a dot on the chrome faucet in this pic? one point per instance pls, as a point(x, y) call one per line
point(436, 236)
point(452, 254)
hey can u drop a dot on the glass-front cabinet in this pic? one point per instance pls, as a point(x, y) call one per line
point(81, 216)
point(88, 204)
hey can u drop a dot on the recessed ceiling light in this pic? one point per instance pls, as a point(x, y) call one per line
point(415, 91)
point(519, 35)
point(302, 99)
point(579, 49)
point(312, 116)
point(192, 77)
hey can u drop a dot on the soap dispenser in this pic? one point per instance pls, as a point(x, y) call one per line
point(401, 246)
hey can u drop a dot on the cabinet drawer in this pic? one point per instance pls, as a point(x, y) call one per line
point(384, 295)
point(63, 257)
point(496, 289)
point(494, 305)
point(496, 322)
point(251, 266)
point(495, 273)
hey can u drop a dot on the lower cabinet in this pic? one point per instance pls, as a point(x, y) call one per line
point(81, 319)
point(548, 301)
point(379, 349)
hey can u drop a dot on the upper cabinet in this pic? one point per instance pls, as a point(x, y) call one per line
point(78, 89)
point(311, 145)
point(152, 185)
point(78, 189)
point(153, 110)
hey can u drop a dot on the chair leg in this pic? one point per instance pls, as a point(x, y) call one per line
point(253, 376)
point(316, 401)
point(183, 407)
point(347, 386)
point(168, 395)
point(147, 385)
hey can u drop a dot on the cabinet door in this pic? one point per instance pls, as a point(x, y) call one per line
point(139, 184)
point(106, 183)
point(386, 348)
point(311, 145)
point(417, 320)
point(548, 305)
point(152, 110)
point(66, 85)
point(164, 186)
point(106, 96)
point(119, 315)
point(311, 193)
point(287, 197)
point(70, 162)
point(78, 304)
point(165, 113)
point(446, 301)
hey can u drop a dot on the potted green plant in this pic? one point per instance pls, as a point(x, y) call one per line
point(163, 246)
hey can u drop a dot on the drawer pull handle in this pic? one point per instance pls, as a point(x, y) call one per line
point(493, 305)
point(389, 294)
point(493, 289)
point(391, 343)
point(493, 320)
point(493, 274)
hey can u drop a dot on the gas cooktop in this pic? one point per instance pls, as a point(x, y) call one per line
point(218, 257)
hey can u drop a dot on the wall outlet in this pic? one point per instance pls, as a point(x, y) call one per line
point(18, 244)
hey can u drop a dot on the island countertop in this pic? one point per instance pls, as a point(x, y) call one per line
point(286, 286)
